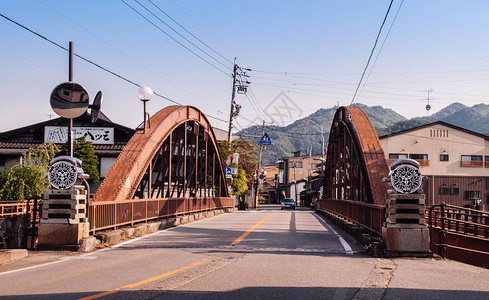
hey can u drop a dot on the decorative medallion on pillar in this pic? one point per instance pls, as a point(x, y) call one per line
point(405, 231)
point(64, 214)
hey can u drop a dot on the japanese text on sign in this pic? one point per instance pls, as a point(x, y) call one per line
point(96, 135)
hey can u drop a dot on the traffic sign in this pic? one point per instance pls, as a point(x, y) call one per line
point(265, 140)
point(227, 171)
point(262, 170)
point(262, 176)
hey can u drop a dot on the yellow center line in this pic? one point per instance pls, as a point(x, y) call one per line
point(244, 235)
point(133, 285)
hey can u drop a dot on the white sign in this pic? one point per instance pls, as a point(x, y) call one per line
point(96, 135)
point(235, 158)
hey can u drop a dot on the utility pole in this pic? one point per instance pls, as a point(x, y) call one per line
point(233, 95)
point(322, 153)
point(428, 106)
point(70, 79)
point(259, 166)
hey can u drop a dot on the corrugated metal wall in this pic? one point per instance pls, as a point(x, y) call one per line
point(450, 184)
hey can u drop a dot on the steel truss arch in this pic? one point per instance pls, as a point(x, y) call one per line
point(355, 161)
point(177, 157)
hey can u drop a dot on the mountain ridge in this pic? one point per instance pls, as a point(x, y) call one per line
point(305, 134)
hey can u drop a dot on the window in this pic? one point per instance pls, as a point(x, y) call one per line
point(471, 161)
point(418, 156)
point(448, 191)
point(443, 157)
point(421, 158)
point(295, 164)
point(472, 195)
point(397, 155)
point(438, 133)
point(472, 157)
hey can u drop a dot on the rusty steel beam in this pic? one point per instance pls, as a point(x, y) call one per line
point(133, 168)
point(355, 162)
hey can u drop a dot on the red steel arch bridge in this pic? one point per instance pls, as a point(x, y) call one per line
point(173, 167)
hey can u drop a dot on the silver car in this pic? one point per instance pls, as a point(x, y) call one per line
point(287, 203)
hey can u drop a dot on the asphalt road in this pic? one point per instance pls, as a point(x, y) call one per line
point(256, 254)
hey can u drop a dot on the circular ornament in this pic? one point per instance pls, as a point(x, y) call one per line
point(62, 175)
point(406, 179)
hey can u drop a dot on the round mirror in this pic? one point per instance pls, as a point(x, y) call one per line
point(69, 100)
point(96, 107)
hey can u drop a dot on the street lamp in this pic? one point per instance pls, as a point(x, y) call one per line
point(145, 94)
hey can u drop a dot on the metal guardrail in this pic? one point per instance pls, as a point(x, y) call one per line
point(460, 233)
point(369, 216)
point(105, 215)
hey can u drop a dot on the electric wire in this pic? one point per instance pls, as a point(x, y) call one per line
point(174, 39)
point(98, 65)
point(179, 34)
point(382, 46)
point(203, 28)
point(181, 26)
point(371, 53)
point(257, 102)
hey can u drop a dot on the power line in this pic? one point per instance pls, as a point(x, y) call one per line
point(174, 39)
point(181, 26)
point(97, 65)
point(179, 34)
point(372, 52)
point(382, 46)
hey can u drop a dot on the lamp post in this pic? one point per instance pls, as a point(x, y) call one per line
point(145, 94)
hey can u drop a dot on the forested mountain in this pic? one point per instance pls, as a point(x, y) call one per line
point(306, 132)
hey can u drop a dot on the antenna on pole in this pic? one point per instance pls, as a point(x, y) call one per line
point(428, 106)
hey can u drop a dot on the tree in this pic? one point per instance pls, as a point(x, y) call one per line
point(246, 162)
point(240, 183)
point(83, 150)
point(247, 156)
point(26, 180)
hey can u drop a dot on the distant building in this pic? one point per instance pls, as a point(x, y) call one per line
point(108, 139)
point(268, 187)
point(222, 135)
point(294, 174)
point(455, 161)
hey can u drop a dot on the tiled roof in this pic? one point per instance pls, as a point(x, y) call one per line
point(20, 145)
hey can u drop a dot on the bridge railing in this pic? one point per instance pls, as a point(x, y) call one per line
point(113, 214)
point(369, 216)
point(460, 233)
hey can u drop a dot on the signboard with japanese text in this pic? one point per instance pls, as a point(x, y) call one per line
point(96, 135)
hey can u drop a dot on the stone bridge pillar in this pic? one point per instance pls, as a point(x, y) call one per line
point(64, 214)
point(405, 231)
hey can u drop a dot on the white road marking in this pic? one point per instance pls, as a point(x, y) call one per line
point(345, 245)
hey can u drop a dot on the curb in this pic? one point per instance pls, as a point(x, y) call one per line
point(11, 255)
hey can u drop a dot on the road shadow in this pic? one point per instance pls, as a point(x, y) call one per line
point(275, 292)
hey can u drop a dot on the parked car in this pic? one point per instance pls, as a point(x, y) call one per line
point(287, 203)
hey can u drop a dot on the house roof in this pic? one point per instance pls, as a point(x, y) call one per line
point(18, 141)
point(103, 120)
point(432, 124)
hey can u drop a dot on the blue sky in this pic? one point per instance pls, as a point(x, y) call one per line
point(311, 51)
